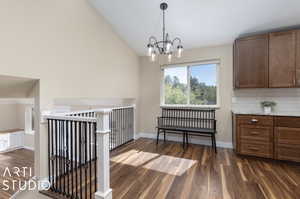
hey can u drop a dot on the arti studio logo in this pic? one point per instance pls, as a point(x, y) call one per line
point(16, 173)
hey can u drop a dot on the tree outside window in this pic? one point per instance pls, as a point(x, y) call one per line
point(194, 85)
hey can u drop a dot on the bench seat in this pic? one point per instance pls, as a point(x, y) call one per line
point(183, 129)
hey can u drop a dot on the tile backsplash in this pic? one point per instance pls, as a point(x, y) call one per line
point(248, 100)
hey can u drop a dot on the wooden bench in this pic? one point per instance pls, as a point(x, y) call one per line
point(195, 122)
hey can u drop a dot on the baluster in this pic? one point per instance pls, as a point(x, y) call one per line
point(71, 158)
point(56, 156)
point(95, 155)
point(52, 156)
point(76, 159)
point(80, 157)
point(67, 158)
point(49, 156)
point(85, 157)
point(90, 157)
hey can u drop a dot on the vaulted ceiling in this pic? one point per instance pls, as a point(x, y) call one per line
point(198, 22)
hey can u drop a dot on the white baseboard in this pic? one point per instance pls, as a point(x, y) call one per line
point(193, 139)
point(16, 148)
point(11, 149)
point(28, 148)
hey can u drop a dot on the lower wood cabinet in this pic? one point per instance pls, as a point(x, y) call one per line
point(287, 138)
point(267, 136)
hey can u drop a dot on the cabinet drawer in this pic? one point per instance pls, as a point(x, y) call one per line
point(292, 122)
point(251, 132)
point(287, 136)
point(287, 153)
point(255, 120)
point(256, 149)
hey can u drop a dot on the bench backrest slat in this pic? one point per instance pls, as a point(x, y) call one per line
point(188, 118)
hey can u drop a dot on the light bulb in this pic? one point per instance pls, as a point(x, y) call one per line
point(168, 46)
point(153, 56)
point(179, 51)
point(150, 49)
point(169, 57)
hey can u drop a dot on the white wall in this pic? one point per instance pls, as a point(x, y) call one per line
point(12, 116)
point(29, 141)
point(21, 115)
point(28, 138)
point(149, 103)
point(70, 48)
point(9, 117)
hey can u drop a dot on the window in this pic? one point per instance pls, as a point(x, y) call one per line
point(190, 85)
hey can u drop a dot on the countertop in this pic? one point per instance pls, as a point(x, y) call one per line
point(292, 114)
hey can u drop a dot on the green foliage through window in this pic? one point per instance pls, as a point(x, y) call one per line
point(203, 90)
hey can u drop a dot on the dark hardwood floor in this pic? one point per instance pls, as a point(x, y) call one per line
point(18, 158)
point(143, 170)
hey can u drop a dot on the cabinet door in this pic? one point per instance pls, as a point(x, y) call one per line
point(251, 62)
point(282, 59)
point(287, 143)
point(298, 59)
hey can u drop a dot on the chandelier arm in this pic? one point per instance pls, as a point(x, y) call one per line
point(158, 47)
point(176, 39)
point(152, 40)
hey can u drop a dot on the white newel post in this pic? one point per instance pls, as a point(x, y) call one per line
point(103, 185)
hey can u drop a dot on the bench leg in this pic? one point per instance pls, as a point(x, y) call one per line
point(215, 144)
point(183, 140)
point(212, 141)
point(164, 136)
point(187, 139)
point(157, 136)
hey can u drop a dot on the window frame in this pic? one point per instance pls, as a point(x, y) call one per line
point(189, 65)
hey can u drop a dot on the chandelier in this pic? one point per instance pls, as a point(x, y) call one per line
point(166, 46)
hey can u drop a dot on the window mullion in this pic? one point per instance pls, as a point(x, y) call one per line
point(188, 85)
point(162, 87)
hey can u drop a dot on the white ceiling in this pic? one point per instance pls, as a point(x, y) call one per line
point(198, 22)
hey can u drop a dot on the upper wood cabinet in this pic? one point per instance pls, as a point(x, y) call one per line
point(268, 61)
point(282, 60)
point(251, 62)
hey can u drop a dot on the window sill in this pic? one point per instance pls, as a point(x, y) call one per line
point(191, 106)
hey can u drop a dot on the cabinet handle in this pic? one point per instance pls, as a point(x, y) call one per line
point(254, 120)
point(254, 133)
point(254, 149)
